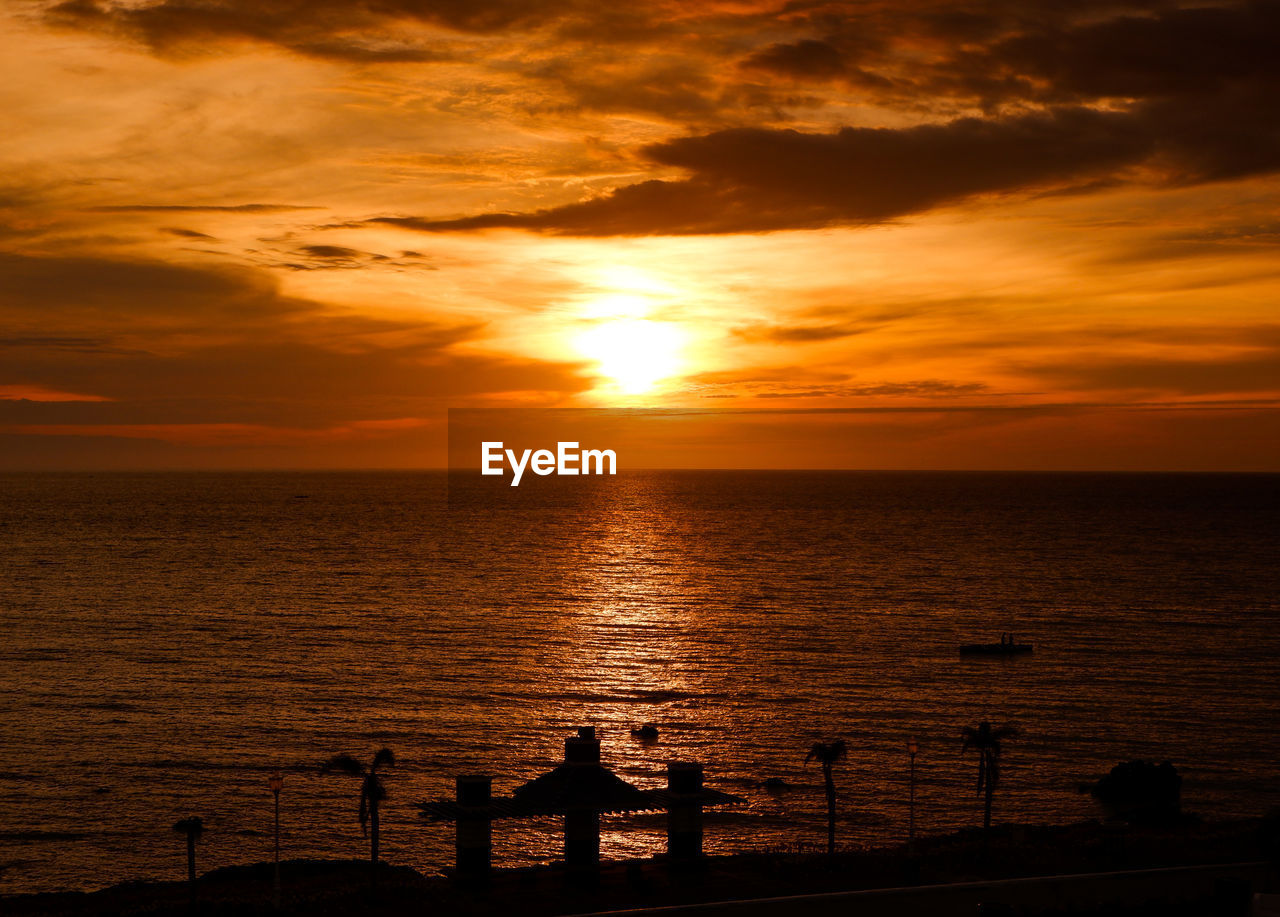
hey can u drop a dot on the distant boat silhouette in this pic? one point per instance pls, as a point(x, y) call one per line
point(1003, 648)
point(646, 733)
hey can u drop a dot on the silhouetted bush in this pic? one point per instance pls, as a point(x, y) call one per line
point(1141, 793)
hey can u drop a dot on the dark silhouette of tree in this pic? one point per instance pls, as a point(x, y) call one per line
point(985, 740)
point(372, 792)
point(1141, 792)
point(827, 754)
point(192, 827)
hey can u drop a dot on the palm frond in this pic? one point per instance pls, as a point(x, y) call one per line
point(827, 753)
point(384, 756)
point(344, 763)
point(984, 736)
point(192, 825)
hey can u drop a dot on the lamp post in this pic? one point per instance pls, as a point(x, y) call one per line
point(276, 782)
point(913, 748)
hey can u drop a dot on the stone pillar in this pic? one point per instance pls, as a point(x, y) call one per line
point(584, 748)
point(582, 824)
point(582, 839)
point(684, 817)
point(474, 844)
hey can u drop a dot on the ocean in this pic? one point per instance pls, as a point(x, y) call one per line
point(167, 641)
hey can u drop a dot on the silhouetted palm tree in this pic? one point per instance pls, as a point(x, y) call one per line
point(985, 740)
point(827, 754)
point(192, 827)
point(372, 791)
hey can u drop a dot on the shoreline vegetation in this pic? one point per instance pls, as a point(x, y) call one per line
point(1006, 852)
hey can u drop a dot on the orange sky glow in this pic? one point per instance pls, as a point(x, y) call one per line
point(286, 234)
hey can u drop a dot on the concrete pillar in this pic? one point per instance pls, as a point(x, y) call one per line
point(582, 839)
point(582, 825)
point(684, 816)
point(584, 748)
point(474, 827)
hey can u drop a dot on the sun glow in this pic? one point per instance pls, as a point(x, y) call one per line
point(636, 354)
point(633, 347)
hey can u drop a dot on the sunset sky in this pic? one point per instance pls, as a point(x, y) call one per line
point(292, 233)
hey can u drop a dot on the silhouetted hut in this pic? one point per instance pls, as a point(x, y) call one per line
point(580, 790)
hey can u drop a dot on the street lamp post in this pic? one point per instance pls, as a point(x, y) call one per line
point(276, 782)
point(912, 749)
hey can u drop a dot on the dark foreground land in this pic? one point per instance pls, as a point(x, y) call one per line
point(974, 871)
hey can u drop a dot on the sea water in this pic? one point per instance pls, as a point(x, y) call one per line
point(167, 641)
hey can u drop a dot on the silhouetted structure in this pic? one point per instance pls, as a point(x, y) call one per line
point(1141, 792)
point(372, 793)
point(1006, 647)
point(827, 754)
point(648, 733)
point(193, 828)
point(580, 790)
point(985, 740)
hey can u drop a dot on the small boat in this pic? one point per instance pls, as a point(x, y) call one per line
point(1003, 648)
point(648, 733)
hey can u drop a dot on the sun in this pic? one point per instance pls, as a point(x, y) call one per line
point(634, 353)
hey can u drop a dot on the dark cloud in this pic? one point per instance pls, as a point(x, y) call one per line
point(80, 292)
point(752, 179)
point(808, 58)
point(756, 179)
point(813, 60)
point(186, 233)
point(1176, 51)
point(934, 56)
point(918, 54)
point(330, 252)
point(1251, 371)
point(341, 258)
point(928, 55)
point(184, 344)
point(620, 23)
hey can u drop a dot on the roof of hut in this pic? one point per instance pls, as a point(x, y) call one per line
point(582, 786)
point(550, 801)
point(581, 782)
